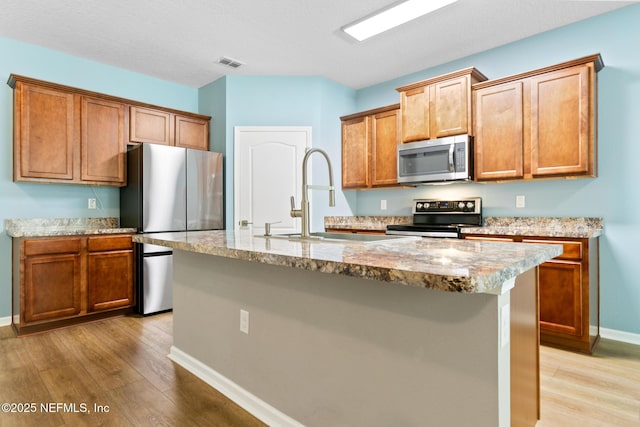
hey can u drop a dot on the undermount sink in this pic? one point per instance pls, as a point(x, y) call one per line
point(339, 237)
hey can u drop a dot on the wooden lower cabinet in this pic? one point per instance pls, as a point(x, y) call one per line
point(59, 281)
point(569, 291)
point(110, 273)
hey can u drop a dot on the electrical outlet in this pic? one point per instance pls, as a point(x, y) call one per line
point(91, 203)
point(244, 321)
point(520, 201)
point(383, 205)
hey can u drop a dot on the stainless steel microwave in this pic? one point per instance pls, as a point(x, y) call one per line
point(436, 160)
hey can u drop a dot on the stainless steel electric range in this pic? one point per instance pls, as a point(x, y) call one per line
point(441, 218)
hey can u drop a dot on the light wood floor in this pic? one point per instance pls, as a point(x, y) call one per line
point(121, 363)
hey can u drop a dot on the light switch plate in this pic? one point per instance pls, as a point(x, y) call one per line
point(383, 205)
point(520, 201)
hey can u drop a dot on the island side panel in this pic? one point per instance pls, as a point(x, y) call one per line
point(525, 350)
point(328, 349)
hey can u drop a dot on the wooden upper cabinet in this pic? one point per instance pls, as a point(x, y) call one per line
point(415, 114)
point(562, 109)
point(44, 134)
point(68, 135)
point(539, 124)
point(369, 147)
point(438, 107)
point(451, 106)
point(151, 126)
point(499, 135)
point(154, 126)
point(385, 137)
point(192, 132)
point(102, 148)
point(355, 152)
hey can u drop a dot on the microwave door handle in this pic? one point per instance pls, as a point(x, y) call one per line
point(451, 168)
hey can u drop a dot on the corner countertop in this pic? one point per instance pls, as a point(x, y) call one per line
point(46, 227)
point(452, 265)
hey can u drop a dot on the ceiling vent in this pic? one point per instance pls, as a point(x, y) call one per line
point(229, 62)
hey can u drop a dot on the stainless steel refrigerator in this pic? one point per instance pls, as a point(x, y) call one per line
point(168, 189)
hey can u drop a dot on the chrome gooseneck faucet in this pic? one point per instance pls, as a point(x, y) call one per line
point(303, 212)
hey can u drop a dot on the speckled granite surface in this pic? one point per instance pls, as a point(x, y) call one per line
point(444, 264)
point(42, 227)
point(539, 226)
point(364, 222)
point(514, 226)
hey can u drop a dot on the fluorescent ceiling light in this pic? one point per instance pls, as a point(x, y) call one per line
point(392, 17)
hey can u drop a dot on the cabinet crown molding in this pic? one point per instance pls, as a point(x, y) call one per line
point(596, 59)
point(15, 78)
point(476, 76)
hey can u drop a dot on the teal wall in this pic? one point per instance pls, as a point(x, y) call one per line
point(22, 200)
point(614, 195)
point(285, 101)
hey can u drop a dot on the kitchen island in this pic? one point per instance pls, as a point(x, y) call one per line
point(405, 332)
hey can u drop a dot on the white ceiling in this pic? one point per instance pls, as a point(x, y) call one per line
point(180, 41)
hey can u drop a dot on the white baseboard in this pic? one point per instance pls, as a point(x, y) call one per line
point(612, 334)
point(250, 403)
point(5, 321)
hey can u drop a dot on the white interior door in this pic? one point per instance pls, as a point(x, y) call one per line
point(267, 172)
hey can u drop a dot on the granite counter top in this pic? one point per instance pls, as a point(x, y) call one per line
point(444, 264)
point(374, 223)
point(539, 226)
point(44, 227)
point(576, 227)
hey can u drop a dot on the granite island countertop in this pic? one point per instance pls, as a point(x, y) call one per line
point(443, 264)
point(47, 227)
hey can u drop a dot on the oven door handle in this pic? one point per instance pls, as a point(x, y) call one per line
point(451, 147)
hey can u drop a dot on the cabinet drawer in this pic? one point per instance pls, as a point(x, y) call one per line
point(571, 250)
point(110, 243)
point(51, 246)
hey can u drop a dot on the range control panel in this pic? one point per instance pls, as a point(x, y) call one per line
point(437, 206)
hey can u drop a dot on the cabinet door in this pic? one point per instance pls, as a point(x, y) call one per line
point(110, 272)
point(414, 107)
point(44, 134)
point(192, 132)
point(450, 107)
point(561, 119)
point(51, 287)
point(355, 157)
point(103, 145)
point(152, 126)
point(385, 137)
point(499, 132)
point(110, 280)
point(561, 297)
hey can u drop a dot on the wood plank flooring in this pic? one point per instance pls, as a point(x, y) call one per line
point(121, 364)
point(118, 363)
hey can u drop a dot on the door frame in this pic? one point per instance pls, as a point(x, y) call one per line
point(236, 160)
